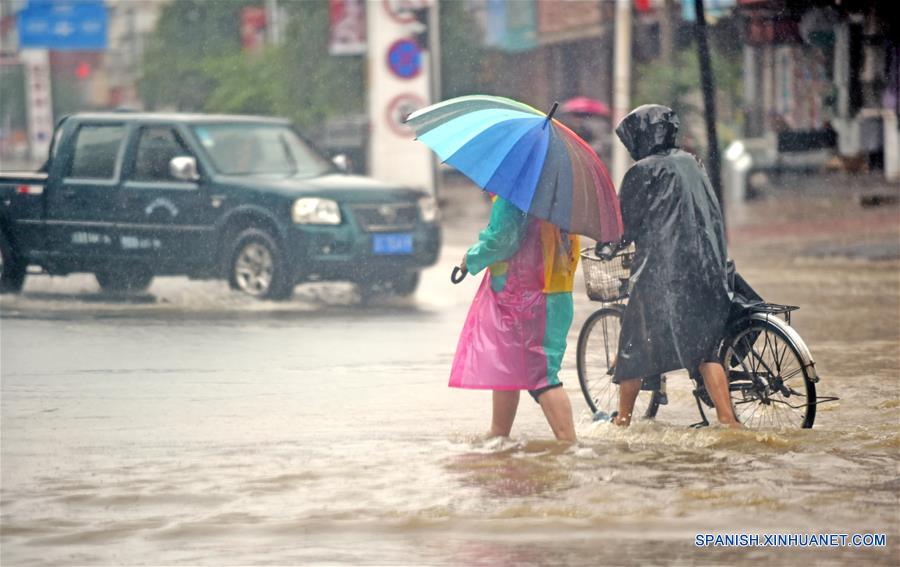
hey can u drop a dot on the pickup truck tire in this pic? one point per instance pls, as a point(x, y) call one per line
point(12, 268)
point(125, 279)
point(406, 285)
point(257, 266)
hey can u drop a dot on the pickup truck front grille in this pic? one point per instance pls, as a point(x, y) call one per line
point(385, 217)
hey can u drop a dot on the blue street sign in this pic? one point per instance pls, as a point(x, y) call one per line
point(405, 58)
point(63, 25)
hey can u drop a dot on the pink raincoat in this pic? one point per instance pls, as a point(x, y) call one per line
point(514, 336)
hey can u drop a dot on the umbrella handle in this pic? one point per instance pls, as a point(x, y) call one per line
point(551, 113)
point(458, 274)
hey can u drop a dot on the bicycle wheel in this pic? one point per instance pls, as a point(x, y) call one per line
point(598, 343)
point(769, 383)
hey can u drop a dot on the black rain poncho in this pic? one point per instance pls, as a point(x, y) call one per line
point(679, 302)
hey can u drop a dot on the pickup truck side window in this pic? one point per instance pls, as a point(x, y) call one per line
point(156, 148)
point(96, 151)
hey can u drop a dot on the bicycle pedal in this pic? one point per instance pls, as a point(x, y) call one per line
point(604, 417)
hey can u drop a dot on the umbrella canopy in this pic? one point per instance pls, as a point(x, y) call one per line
point(525, 156)
point(585, 105)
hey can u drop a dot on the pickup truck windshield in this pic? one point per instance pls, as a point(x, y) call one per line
point(260, 150)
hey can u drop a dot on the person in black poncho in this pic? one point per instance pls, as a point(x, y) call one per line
point(680, 300)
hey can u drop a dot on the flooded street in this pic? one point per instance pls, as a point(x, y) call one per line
point(193, 426)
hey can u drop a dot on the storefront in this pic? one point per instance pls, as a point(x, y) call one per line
point(820, 80)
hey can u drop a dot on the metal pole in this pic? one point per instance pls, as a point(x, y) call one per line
point(434, 58)
point(434, 47)
point(709, 103)
point(667, 32)
point(621, 84)
point(273, 22)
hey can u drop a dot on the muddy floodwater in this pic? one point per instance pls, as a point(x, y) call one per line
point(191, 426)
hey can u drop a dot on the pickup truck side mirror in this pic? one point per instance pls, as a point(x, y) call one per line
point(184, 168)
point(342, 162)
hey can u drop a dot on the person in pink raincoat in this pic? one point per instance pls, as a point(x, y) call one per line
point(514, 336)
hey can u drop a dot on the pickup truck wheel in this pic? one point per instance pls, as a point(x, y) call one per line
point(406, 285)
point(12, 268)
point(124, 279)
point(257, 266)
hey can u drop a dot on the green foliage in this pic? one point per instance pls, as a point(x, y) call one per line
point(461, 51)
point(678, 86)
point(672, 85)
point(316, 85)
point(174, 68)
point(194, 62)
point(243, 85)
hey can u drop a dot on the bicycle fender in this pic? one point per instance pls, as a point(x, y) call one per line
point(795, 339)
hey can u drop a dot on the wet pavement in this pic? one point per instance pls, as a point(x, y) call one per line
point(190, 425)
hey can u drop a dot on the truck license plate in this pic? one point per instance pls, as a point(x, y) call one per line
point(393, 243)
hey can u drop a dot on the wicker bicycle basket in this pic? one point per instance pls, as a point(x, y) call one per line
point(607, 280)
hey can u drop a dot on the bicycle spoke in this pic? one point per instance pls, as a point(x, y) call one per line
point(783, 354)
point(791, 375)
point(755, 407)
point(740, 417)
point(766, 346)
point(791, 413)
point(777, 415)
point(749, 354)
point(778, 361)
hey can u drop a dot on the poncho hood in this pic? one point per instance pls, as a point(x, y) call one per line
point(648, 129)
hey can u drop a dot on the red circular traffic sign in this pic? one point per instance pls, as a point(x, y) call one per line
point(402, 10)
point(399, 109)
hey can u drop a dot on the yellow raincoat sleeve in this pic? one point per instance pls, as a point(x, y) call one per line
point(500, 240)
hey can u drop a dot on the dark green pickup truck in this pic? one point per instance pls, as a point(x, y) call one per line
point(128, 196)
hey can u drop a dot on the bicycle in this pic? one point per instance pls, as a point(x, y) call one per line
point(771, 373)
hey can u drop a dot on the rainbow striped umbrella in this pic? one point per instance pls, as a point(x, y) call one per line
point(527, 157)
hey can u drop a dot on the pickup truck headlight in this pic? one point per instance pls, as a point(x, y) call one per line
point(428, 209)
point(313, 210)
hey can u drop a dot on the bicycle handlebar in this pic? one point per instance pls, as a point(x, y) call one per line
point(607, 250)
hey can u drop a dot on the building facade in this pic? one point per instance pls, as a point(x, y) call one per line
point(822, 76)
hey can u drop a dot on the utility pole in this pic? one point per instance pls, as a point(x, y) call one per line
point(621, 84)
point(273, 22)
point(434, 50)
point(709, 104)
point(427, 34)
point(667, 32)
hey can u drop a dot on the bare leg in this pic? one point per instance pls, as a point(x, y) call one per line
point(717, 386)
point(558, 411)
point(628, 393)
point(505, 406)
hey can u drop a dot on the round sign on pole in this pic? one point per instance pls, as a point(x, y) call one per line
point(404, 58)
point(399, 109)
point(401, 11)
